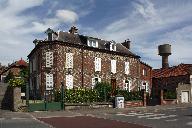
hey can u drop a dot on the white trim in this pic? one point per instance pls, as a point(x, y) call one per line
point(97, 64)
point(113, 66)
point(69, 81)
point(127, 85)
point(49, 59)
point(69, 60)
point(49, 81)
point(127, 68)
point(92, 43)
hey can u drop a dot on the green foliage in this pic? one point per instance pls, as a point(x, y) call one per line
point(130, 96)
point(16, 82)
point(169, 95)
point(104, 89)
point(24, 73)
point(8, 77)
point(79, 95)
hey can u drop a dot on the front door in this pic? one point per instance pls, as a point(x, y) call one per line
point(185, 97)
point(113, 84)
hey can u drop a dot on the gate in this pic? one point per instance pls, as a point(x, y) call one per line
point(47, 102)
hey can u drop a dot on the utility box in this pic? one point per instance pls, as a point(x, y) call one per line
point(119, 102)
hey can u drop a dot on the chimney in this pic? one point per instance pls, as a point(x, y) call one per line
point(73, 30)
point(164, 51)
point(126, 43)
point(49, 33)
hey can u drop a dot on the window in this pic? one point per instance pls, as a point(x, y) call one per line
point(95, 80)
point(49, 81)
point(97, 64)
point(92, 43)
point(191, 79)
point(144, 72)
point(113, 46)
point(49, 59)
point(69, 81)
point(69, 60)
point(127, 85)
point(113, 66)
point(127, 68)
point(145, 86)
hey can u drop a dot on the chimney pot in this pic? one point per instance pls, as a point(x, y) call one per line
point(126, 43)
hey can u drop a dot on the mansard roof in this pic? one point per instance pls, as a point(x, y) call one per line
point(82, 40)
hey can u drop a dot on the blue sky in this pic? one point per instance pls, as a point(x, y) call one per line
point(147, 23)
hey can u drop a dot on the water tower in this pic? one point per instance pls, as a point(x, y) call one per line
point(164, 51)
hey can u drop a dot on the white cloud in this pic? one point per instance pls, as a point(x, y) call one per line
point(67, 16)
point(150, 25)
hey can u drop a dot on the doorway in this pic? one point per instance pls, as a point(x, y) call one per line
point(113, 84)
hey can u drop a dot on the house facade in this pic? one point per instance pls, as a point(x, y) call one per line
point(14, 69)
point(82, 61)
point(177, 79)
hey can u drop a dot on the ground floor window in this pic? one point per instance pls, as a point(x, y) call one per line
point(145, 86)
point(95, 80)
point(127, 85)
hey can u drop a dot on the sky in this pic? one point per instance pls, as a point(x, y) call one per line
point(147, 23)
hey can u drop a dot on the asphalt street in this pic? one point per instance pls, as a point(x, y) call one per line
point(156, 117)
point(173, 117)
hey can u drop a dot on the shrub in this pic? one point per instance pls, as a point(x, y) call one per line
point(104, 89)
point(169, 95)
point(16, 82)
point(79, 95)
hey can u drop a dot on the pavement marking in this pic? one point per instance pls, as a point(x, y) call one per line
point(2, 118)
point(18, 118)
point(189, 123)
point(162, 117)
point(146, 116)
point(136, 114)
point(171, 120)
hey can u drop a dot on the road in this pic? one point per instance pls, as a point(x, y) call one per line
point(156, 117)
point(173, 117)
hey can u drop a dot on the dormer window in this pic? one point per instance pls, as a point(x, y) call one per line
point(112, 46)
point(92, 43)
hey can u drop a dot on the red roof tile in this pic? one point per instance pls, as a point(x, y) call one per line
point(181, 69)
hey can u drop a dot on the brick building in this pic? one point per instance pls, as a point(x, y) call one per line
point(14, 69)
point(169, 78)
point(82, 61)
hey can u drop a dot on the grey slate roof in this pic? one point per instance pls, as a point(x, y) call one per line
point(82, 40)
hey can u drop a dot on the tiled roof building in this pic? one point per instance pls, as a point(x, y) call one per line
point(82, 61)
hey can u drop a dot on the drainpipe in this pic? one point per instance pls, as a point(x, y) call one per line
point(82, 67)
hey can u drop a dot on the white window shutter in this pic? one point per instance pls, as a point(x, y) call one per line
point(127, 68)
point(113, 66)
point(69, 60)
point(49, 81)
point(130, 84)
point(69, 81)
point(49, 59)
point(97, 64)
point(96, 44)
point(99, 80)
point(93, 81)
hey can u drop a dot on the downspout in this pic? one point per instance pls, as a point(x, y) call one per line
point(82, 67)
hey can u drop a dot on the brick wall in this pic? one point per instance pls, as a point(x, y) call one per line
point(83, 65)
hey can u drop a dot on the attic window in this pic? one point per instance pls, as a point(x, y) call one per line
point(112, 46)
point(92, 43)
